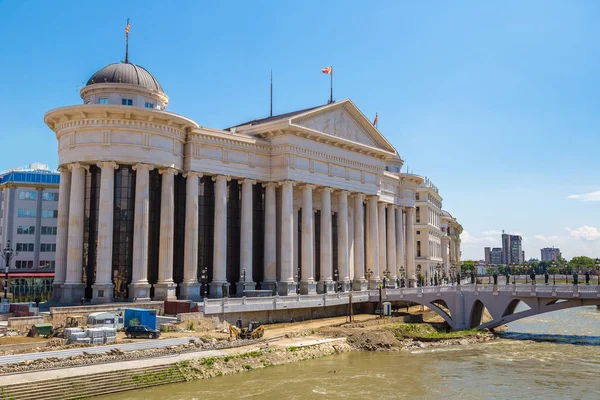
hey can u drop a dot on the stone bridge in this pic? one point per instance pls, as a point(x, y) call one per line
point(461, 306)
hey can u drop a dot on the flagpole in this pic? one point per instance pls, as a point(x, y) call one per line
point(127, 43)
point(331, 87)
point(271, 111)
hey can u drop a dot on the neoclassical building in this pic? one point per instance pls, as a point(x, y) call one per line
point(153, 205)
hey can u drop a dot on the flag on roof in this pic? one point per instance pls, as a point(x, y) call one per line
point(327, 70)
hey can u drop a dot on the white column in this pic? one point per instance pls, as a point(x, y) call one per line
point(60, 268)
point(189, 287)
point(219, 283)
point(296, 249)
point(103, 288)
point(381, 233)
point(139, 289)
point(350, 246)
point(372, 266)
point(73, 289)
point(445, 255)
point(410, 245)
point(164, 289)
point(287, 284)
point(246, 281)
point(400, 263)
point(270, 256)
point(359, 244)
point(307, 284)
point(342, 240)
point(391, 242)
point(325, 284)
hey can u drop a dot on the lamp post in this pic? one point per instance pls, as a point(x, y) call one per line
point(598, 270)
point(203, 281)
point(244, 282)
point(438, 269)
point(7, 254)
point(553, 266)
point(453, 273)
point(401, 271)
point(336, 278)
point(525, 265)
point(369, 274)
point(419, 281)
point(512, 271)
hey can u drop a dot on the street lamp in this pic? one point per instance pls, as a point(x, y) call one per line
point(525, 265)
point(7, 254)
point(438, 269)
point(336, 278)
point(244, 282)
point(368, 275)
point(512, 270)
point(401, 271)
point(553, 266)
point(419, 282)
point(203, 281)
point(598, 270)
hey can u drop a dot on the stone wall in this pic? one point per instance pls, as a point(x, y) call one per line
point(59, 314)
point(24, 324)
point(203, 322)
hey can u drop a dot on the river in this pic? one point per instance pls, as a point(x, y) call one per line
point(551, 356)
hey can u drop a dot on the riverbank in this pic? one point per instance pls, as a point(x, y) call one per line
point(283, 344)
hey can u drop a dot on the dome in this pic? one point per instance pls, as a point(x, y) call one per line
point(125, 73)
point(446, 214)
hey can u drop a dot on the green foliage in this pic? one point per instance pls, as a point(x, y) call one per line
point(190, 326)
point(208, 362)
point(582, 263)
point(248, 367)
point(426, 331)
point(293, 348)
point(467, 264)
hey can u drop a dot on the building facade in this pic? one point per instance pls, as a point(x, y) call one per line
point(512, 249)
point(493, 256)
point(153, 205)
point(451, 230)
point(550, 254)
point(428, 231)
point(28, 224)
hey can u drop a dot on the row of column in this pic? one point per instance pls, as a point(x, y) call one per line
point(386, 238)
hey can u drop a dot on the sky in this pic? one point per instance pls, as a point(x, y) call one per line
point(496, 102)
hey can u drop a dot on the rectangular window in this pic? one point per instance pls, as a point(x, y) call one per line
point(149, 105)
point(418, 217)
point(48, 247)
point(46, 264)
point(48, 230)
point(25, 230)
point(25, 213)
point(417, 196)
point(103, 100)
point(24, 247)
point(49, 213)
point(48, 196)
point(418, 248)
point(28, 195)
point(126, 102)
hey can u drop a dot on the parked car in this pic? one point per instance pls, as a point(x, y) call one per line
point(141, 331)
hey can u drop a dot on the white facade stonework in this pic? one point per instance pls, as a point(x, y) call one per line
point(280, 202)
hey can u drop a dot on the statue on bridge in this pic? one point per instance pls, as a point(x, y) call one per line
point(495, 276)
point(546, 277)
point(507, 277)
point(532, 277)
point(587, 277)
point(575, 278)
point(472, 277)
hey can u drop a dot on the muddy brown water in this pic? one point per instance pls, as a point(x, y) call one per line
point(551, 356)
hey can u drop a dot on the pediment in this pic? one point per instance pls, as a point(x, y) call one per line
point(345, 121)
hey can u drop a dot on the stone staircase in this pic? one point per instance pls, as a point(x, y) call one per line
point(80, 387)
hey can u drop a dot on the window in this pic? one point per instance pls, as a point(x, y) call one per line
point(29, 195)
point(417, 196)
point(25, 230)
point(48, 196)
point(418, 232)
point(22, 264)
point(24, 247)
point(49, 213)
point(87, 101)
point(418, 248)
point(48, 247)
point(103, 100)
point(46, 264)
point(25, 213)
point(126, 102)
point(418, 215)
point(48, 230)
point(148, 105)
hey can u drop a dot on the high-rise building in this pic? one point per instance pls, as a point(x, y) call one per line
point(512, 250)
point(496, 256)
point(550, 253)
point(487, 252)
point(28, 221)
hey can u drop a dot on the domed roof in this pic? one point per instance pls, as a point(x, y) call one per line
point(125, 73)
point(446, 214)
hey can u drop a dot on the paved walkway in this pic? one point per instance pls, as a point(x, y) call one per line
point(140, 345)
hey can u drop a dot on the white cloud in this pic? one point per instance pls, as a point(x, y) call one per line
point(492, 233)
point(548, 239)
point(593, 196)
point(588, 233)
point(487, 239)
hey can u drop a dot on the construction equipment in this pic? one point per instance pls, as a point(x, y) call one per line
point(253, 331)
point(44, 329)
point(71, 321)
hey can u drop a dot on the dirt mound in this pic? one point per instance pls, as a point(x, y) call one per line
point(379, 340)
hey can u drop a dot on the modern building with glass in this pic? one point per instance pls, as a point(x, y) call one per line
point(28, 225)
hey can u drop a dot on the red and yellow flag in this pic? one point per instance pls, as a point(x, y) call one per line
point(327, 70)
point(376, 120)
point(127, 29)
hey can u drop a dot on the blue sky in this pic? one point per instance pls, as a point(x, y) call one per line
point(496, 102)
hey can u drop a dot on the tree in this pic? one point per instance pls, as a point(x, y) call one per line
point(582, 263)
